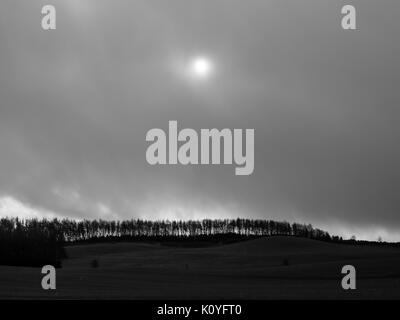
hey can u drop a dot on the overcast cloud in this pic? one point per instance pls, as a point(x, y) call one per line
point(76, 104)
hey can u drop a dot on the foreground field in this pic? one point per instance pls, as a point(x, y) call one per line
point(267, 268)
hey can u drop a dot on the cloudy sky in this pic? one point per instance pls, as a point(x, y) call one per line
point(76, 104)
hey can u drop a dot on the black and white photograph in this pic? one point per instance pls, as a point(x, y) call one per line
point(190, 150)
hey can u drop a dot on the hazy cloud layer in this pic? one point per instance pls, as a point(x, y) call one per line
point(76, 103)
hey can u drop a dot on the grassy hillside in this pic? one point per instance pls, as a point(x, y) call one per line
point(273, 267)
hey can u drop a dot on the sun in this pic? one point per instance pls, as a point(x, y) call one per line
point(201, 67)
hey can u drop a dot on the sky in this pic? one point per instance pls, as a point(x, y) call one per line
point(76, 104)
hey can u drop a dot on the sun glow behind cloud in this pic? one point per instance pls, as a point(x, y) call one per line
point(194, 68)
point(201, 68)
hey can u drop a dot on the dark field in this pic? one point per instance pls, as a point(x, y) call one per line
point(266, 268)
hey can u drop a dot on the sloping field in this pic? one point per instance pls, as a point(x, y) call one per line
point(267, 268)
